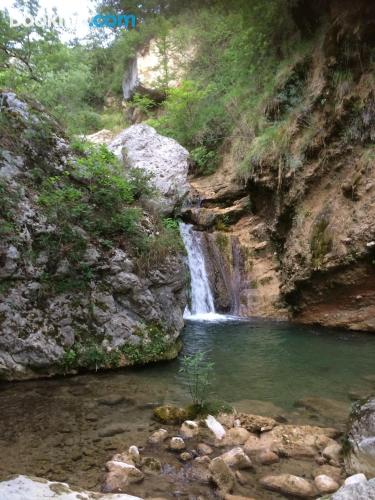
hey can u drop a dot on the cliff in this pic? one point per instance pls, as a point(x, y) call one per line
point(89, 278)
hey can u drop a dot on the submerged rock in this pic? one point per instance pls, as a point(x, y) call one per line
point(169, 414)
point(33, 488)
point(177, 444)
point(158, 436)
point(222, 476)
point(288, 484)
point(237, 459)
point(120, 475)
point(189, 429)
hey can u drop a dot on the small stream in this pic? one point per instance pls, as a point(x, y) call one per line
point(61, 428)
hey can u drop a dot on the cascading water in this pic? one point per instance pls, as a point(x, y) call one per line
point(202, 302)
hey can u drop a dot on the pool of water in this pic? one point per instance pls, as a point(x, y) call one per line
point(54, 428)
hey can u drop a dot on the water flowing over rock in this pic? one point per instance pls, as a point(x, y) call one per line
point(141, 147)
point(202, 302)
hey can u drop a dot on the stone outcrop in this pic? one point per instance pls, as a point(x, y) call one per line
point(360, 456)
point(54, 318)
point(141, 147)
point(34, 488)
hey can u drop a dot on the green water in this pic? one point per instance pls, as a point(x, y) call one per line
point(52, 428)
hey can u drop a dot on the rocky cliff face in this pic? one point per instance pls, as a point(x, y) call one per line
point(73, 295)
point(303, 215)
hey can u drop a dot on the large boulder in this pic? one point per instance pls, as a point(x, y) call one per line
point(141, 147)
point(360, 456)
point(358, 491)
point(34, 488)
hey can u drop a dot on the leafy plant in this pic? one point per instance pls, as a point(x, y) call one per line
point(205, 160)
point(198, 374)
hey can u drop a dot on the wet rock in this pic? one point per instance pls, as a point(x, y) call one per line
point(204, 449)
point(326, 484)
point(134, 454)
point(34, 488)
point(151, 465)
point(288, 484)
point(292, 441)
point(361, 440)
point(222, 476)
point(177, 444)
point(268, 457)
point(203, 460)
point(200, 471)
point(226, 419)
point(120, 476)
point(169, 414)
point(158, 436)
point(236, 458)
point(357, 491)
point(332, 452)
point(356, 478)
point(189, 429)
point(241, 478)
point(256, 423)
point(186, 456)
point(328, 470)
point(112, 430)
point(112, 400)
point(237, 497)
point(236, 436)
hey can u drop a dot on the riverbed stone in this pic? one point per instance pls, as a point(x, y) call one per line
point(204, 449)
point(189, 429)
point(169, 414)
point(332, 452)
point(120, 475)
point(236, 458)
point(34, 488)
point(268, 457)
point(334, 472)
point(235, 436)
point(241, 478)
point(326, 484)
point(288, 484)
point(256, 423)
point(151, 465)
point(112, 429)
point(177, 444)
point(222, 476)
point(186, 456)
point(158, 436)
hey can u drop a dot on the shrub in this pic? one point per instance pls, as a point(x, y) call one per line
point(198, 374)
point(205, 160)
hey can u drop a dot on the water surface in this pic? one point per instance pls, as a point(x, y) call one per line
point(54, 428)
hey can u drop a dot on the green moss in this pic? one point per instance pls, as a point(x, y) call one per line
point(173, 415)
point(320, 242)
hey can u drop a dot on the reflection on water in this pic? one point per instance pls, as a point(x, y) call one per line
point(61, 429)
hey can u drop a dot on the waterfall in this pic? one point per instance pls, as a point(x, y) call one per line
point(202, 302)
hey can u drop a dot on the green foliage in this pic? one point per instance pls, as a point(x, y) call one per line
point(143, 102)
point(198, 374)
point(320, 242)
point(205, 160)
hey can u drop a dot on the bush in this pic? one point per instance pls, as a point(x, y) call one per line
point(198, 374)
point(206, 161)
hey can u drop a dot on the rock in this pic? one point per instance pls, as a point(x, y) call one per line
point(326, 484)
point(141, 147)
point(204, 449)
point(34, 488)
point(112, 430)
point(236, 436)
point(268, 457)
point(226, 419)
point(287, 484)
point(222, 476)
point(158, 437)
point(335, 410)
point(292, 440)
point(328, 470)
point(169, 414)
point(189, 429)
point(357, 491)
point(237, 497)
point(255, 423)
point(120, 476)
point(356, 478)
point(151, 465)
point(199, 471)
point(236, 458)
point(202, 460)
point(241, 478)
point(134, 454)
point(186, 456)
point(215, 427)
point(176, 444)
point(332, 452)
point(113, 400)
point(104, 136)
point(361, 440)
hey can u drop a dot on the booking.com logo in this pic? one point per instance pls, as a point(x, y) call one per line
point(114, 21)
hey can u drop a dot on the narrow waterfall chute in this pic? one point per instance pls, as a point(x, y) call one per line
point(202, 301)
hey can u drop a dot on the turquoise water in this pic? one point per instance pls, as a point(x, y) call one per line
point(52, 428)
point(277, 362)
